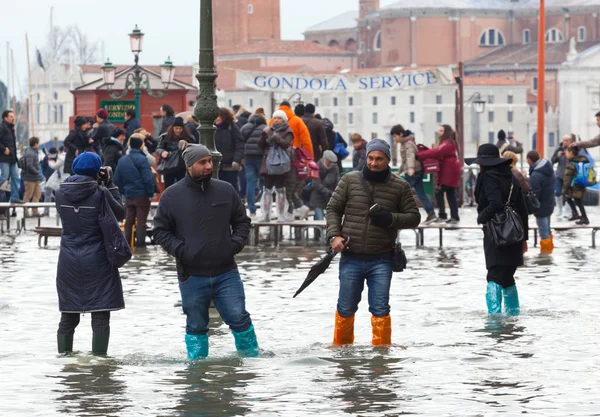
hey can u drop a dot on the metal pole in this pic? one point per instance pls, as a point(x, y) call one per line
point(30, 95)
point(138, 92)
point(461, 131)
point(541, 103)
point(207, 110)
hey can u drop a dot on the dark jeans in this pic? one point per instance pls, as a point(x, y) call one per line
point(231, 177)
point(416, 182)
point(252, 170)
point(503, 275)
point(227, 293)
point(172, 179)
point(69, 321)
point(452, 201)
point(579, 203)
point(353, 274)
point(558, 187)
point(136, 209)
point(242, 183)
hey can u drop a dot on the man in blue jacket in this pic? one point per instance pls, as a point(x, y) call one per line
point(542, 181)
point(134, 178)
point(203, 224)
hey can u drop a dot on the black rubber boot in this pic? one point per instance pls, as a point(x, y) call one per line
point(140, 238)
point(64, 342)
point(128, 233)
point(100, 343)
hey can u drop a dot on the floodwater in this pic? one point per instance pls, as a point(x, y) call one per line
point(448, 359)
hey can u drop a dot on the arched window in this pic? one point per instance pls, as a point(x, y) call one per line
point(526, 36)
point(250, 9)
point(491, 37)
point(377, 42)
point(334, 44)
point(581, 34)
point(350, 45)
point(554, 35)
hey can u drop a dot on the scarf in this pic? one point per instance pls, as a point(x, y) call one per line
point(376, 176)
point(281, 127)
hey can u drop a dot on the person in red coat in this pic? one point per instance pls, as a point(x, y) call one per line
point(447, 180)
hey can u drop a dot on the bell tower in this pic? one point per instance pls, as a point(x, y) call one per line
point(366, 7)
point(238, 23)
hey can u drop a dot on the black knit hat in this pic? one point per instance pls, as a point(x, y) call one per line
point(178, 122)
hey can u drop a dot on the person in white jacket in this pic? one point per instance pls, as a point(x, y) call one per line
point(57, 177)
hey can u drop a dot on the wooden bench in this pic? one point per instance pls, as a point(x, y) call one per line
point(46, 232)
point(420, 232)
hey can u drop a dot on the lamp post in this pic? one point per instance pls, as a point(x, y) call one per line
point(298, 101)
point(137, 80)
point(207, 110)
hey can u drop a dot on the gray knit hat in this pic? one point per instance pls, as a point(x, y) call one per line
point(193, 153)
point(381, 146)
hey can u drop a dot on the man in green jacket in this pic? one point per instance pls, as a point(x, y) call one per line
point(371, 222)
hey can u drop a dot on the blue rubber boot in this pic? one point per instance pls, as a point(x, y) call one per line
point(245, 342)
point(511, 301)
point(197, 346)
point(493, 298)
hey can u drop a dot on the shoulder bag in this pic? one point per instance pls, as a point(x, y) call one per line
point(117, 248)
point(506, 227)
point(399, 260)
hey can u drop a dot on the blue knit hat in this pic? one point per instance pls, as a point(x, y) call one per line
point(88, 164)
point(381, 146)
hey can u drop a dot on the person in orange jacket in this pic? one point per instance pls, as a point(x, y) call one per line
point(301, 140)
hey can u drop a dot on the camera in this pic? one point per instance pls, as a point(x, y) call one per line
point(103, 174)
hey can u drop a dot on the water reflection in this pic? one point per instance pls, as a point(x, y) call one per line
point(212, 388)
point(503, 329)
point(369, 385)
point(91, 389)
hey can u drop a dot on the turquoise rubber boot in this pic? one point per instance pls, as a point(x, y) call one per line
point(493, 298)
point(245, 342)
point(197, 346)
point(511, 301)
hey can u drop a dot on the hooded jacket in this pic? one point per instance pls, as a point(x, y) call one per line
point(251, 133)
point(317, 135)
point(450, 169)
point(573, 191)
point(359, 157)
point(203, 224)
point(8, 141)
point(491, 194)
point(301, 134)
point(31, 171)
point(133, 175)
point(323, 188)
point(229, 141)
point(242, 117)
point(561, 161)
point(85, 281)
point(542, 182)
point(408, 153)
point(282, 136)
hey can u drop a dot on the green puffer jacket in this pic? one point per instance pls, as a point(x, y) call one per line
point(348, 208)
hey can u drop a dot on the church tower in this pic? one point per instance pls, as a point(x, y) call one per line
point(237, 23)
point(366, 7)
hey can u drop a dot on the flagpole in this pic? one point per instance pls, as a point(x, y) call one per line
point(541, 102)
point(31, 123)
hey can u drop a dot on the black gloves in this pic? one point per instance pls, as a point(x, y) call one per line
point(381, 218)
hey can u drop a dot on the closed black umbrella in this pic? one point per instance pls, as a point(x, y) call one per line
point(318, 268)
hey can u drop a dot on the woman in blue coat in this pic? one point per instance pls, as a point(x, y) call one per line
point(85, 281)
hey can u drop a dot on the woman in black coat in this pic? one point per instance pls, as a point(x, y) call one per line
point(76, 142)
point(175, 140)
point(85, 281)
point(492, 193)
point(229, 141)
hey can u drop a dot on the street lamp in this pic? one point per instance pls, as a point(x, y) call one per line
point(207, 110)
point(136, 80)
point(298, 101)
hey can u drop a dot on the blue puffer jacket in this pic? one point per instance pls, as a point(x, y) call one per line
point(134, 176)
point(85, 281)
point(542, 181)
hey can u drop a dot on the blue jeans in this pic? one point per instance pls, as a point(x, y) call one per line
point(231, 177)
point(319, 214)
point(416, 182)
point(10, 171)
point(353, 273)
point(227, 292)
point(543, 224)
point(252, 170)
point(558, 187)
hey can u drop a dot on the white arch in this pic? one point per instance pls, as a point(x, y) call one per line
point(491, 37)
point(377, 41)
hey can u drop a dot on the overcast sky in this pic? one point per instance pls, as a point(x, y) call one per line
point(171, 28)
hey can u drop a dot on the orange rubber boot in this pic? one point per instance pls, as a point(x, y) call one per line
point(546, 246)
point(343, 334)
point(382, 330)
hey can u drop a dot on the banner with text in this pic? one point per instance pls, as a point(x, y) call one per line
point(351, 83)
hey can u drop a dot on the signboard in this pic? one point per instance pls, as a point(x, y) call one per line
point(116, 109)
point(351, 83)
